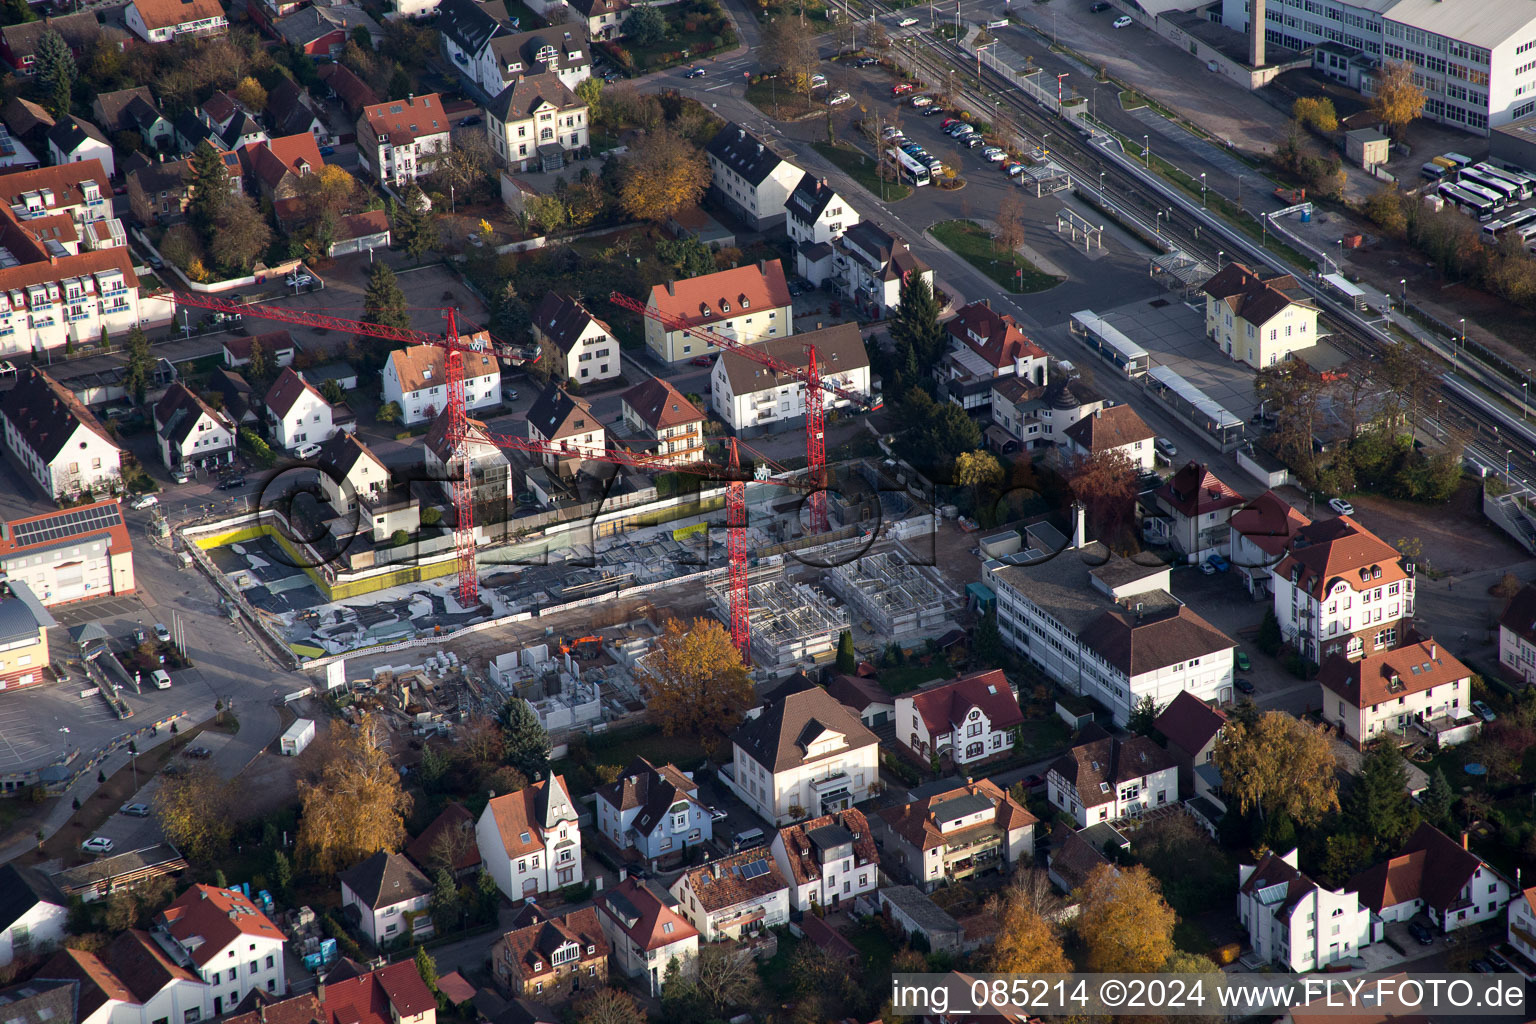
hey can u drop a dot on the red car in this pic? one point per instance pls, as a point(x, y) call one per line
point(902, 88)
point(947, 122)
point(702, 361)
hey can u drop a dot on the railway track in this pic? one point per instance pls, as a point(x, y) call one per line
point(1138, 197)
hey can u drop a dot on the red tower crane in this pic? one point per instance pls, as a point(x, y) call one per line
point(458, 436)
point(809, 375)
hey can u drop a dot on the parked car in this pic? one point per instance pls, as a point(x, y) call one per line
point(864, 62)
point(144, 501)
point(1034, 781)
point(97, 844)
point(1243, 684)
point(948, 122)
point(298, 280)
point(902, 88)
point(841, 97)
point(1341, 506)
point(1484, 712)
point(232, 481)
point(327, 150)
point(161, 633)
point(1499, 963)
point(180, 475)
point(470, 121)
point(972, 141)
point(695, 73)
point(931, 111)
point(1421, 934)
point(907, 22)
point(993, 155)
point(702, 361)
point(818, 81)
point(1218, 563)
point(1208, 568)
point(1123, 21)
point(509, 393)
point(960, 131)
point(1166, 448)
point(1013, 170)
point(922, 101)
point(1098, 7)
point(135, 810)
point(7, 369)
point(716, 814)
point(890, 132)
point(161, 678)
point(1242, 661)
point(1482, 967)
point(199, 753)
point(307, 451)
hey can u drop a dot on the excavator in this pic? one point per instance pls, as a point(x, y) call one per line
point(587, 648)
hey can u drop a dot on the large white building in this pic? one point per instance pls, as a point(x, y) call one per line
point(751, 178)
point(417, 379)
point(534, 121)
point(944, 835)
point(1437, 875)
point(802, 754)
point(1473, 60)
point(69, 555)
point(1342, 590)
point(828, 859)
point(1107, 627)
point(814, 212)
point(529, 840)
point(400, 141)
point(751, 397)
point(586, 346)
point(32, 914)
point(221, 936)
point(1293, 922)
point(1105, 778)
point(1255, 321)
point(58, 441)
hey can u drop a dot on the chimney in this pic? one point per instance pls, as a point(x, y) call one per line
point(1432, 656)
point(320, 991)
point(1463, 839)
point(1079, 525)
point(1256, 33)
point(672, 288)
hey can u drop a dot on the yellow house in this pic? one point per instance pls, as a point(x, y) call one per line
point(24, 626)
point(745, 304)
point(1257, 322)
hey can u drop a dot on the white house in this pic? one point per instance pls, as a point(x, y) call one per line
point(1420, 684)
point(654, 811)
point(752, 398)
point(1259, 535)
point(984, 346)
point(968, 720)
point(134, 980)
point(604, 18)
point(1193, 507)
point(400, 141)
point(566, 422)
point(869, 265)
point(190, 432)
point(1028, 416)
point(802, 754)
point(561, 51)
point(390, 898)
point(1107, 778)
point(1108, 627)
point(1293, 922)
point(745, 304)
point(645, 935)
point(1258, 322)
point(814, 212)
point(954, 834)
point(733, 897)
point(1520, 929)
point(749, 177)
point(298, 414)
point(78, 189)
point(350, 471)
point(221, 936)
point(656, 410)
point(73, 141)
point(828, 859)
point(57, 440)
point(1342, 590)
point(1115, 429)
point(160, 21)
point(586, 346)
point(529, 840)
point(32, 914)
point(416, 379)
point(1517, 635)
point(535, 120)
point(1453, 886)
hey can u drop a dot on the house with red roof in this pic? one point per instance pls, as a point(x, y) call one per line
point(1520, 927)
point(954, 834)
point(529, 841)
point(400, 140)
point(278, 165)
point(1419, 686)
point(1191, 728)
point(967, 720)
point(748, 304)
point(658, 411)
point(1193, 508)
point(1259, 535)
point(1255, 321)
point(984, 346)
point(1106, 778)
point(1341, 589)
point(390, 995)
point(645, 933)
point(98, 559)
point(552, 958)
point(1115, 429)
point(1435, 875)
point(828, 859)
point(220, 936)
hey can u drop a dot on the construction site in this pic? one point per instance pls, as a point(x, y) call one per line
point(893, 597)
point(793, 625)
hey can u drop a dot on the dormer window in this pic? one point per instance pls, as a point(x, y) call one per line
point(725, 307)
point(514, 67)
point(426, 374)
point(547, 54)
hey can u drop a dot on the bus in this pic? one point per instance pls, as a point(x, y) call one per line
point(1515, 223)
point(1482, 191)
point(1522, 186)
point(913, 170)
point(1473, 205)
point(1506, 190)
point(1517, 174)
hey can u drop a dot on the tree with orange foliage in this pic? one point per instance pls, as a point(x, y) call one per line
point(696, 684)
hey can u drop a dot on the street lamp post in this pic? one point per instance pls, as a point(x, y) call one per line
point(1202, 190)
point(1507, 453)
point(1402, 285)
point(1459, 345)
point(1146, 149)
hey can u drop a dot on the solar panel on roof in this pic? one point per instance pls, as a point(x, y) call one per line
point(754, 869)
point(67, 524)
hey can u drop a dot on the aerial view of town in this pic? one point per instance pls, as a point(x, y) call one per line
point(766, 511)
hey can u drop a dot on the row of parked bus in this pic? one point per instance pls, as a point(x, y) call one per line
point(1483, 191)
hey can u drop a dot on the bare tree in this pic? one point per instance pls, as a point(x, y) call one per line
point(1010, 222)
point(791, 46)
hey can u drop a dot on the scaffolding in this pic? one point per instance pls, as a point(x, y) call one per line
point(792, 624)
point(894, 596)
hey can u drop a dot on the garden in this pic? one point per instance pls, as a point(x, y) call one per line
point(688, 30)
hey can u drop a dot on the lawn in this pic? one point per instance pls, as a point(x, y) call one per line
point(1010, 270)
point(777, 99)
point(913, 674)
point(862, 169)
point(622, 746)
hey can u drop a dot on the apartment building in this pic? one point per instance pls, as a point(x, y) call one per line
point(745, 304)
point(1418, 686)
point(1193, 508)
point(1028, 416)
point(587, 349)
point(81, 190)
point(1105, 778)
point(97, 561)
point(416, 378)
point(1115, 429)
point(815, 213)
point(24, 624)
point(221, 937)
point(828, 859)
point(802, 753)
point(56, 440)
point(752, 398)
point(1342, 590)
point(753, 181)
point(654, 811)
point(1520, 928)
point(869, 264)
point(657, 411)
point(1293, 922)
point(534, 121)
point(984, 346)
point(948, 833)
point(1256, 321)
point(399, 141)
point(734, 897)
point(646, 935)
point(553, 958)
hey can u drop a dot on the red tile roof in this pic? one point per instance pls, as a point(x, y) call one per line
point(140, 962)
point(216, 916)
point(915, 822)
point(996, 337)
point(1195, 490)
point(1268, 522)
point(801, 854)
point(1189, 723)
point(534, 945)
point(723, 883)
point(1341, 549)
point(290, 154)
point(111, 524)
point(642, 916)
point(170, 13)
point(1098, 767)
point(1376, 678)
point(98, 985)
point(724, 294)
point(944, 707)
point(1106, 429)
point(404, 121)
point(63, 180)
point(1432, 867)
point(660, 405)
point(369, 998)
point(454, 817)
point(526, 813)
